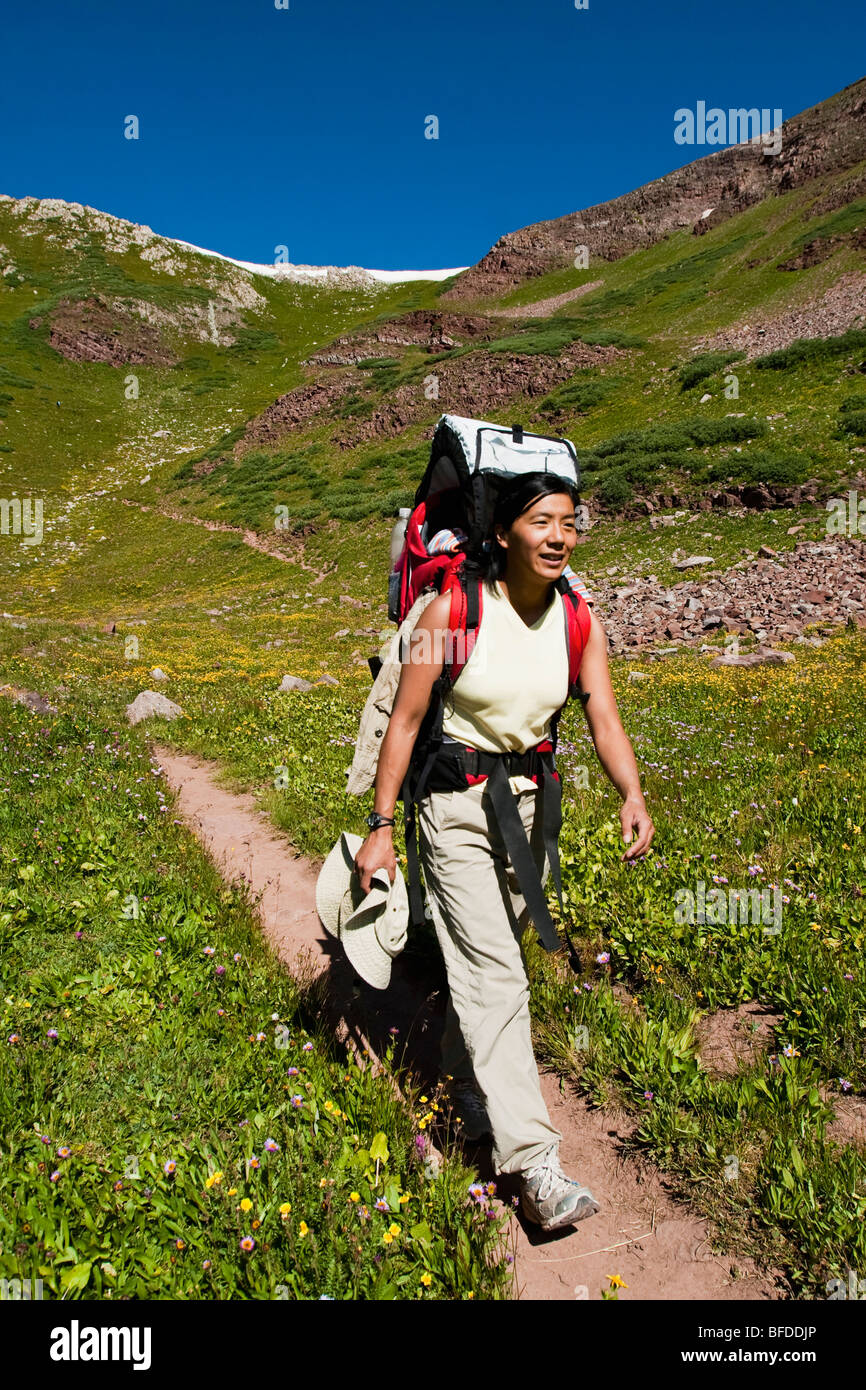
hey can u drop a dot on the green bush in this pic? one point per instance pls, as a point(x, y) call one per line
point(703, 366)
point(810, 350)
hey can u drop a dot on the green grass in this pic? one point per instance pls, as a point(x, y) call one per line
point(166, 1089)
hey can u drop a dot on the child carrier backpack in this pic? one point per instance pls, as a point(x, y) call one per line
point(470, 461)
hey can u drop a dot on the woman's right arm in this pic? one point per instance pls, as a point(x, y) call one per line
point(422, 665)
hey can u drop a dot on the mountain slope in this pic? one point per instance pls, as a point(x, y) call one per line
point(828, 139)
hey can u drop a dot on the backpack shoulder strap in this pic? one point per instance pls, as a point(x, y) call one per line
point(464, 621)
point(577, 626)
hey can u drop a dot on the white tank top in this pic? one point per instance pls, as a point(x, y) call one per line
point(514, 681)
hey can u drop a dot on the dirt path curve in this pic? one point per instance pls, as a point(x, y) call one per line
point(654, 1243)
point(542, 308)
point(249, 537)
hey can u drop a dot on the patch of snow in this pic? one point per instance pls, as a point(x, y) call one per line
point(289, 271)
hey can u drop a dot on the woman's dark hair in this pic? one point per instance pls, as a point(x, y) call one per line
point(512, 501)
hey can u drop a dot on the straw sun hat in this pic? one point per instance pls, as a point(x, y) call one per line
point(371, 926)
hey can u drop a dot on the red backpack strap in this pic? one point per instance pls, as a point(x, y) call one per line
point(464, 619)
point(577, 623)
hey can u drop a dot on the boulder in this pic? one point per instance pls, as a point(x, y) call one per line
point(150, 704)
point(295, 683)
point(692, 561)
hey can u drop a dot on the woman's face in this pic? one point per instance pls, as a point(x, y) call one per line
point(542, 538)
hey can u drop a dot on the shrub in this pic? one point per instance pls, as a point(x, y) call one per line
point(706, 365)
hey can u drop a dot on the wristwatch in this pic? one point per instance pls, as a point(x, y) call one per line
point(375, 819)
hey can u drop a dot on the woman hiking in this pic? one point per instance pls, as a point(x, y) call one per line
point(515, 679)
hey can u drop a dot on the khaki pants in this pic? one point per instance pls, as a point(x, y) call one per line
point(479, 915)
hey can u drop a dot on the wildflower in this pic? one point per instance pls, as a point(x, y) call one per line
point(161, 938)
point(233, 1191)
point(247, 1243)
point(55, 1175)
point(426, 1279)
point(46, 1138)
point(255, 1162)
point(616, 1282)
point(381, 1205)
point(180, 1244)
point(846, 1085)
point(364, 1213)
point(404, 1199)
point(236, 957)
point(393, 1032)
point(847, 975)
point(297, 1101)
point(14, 1038)
point(221, 1013)
point(213, 1179)
point(285, 1209)
point(307, 1047)
point(261, 1037)
point(387, 1238)
point(118, 1186)
point(647, 1095)
point(78, 935)
point(293, 1071)
point(491, 1189)
point(245, 1204)
point(169, 1167)
point(603, 957)
point(220, 970)
point(209, 951)
point(303, 1229)
point(256, 1224)
point(64, 1151)
point(394, 1228)
point(790, 1051)
point(157, 952)
point(205, 1264)
point(271, 1146)
point(354, 1196)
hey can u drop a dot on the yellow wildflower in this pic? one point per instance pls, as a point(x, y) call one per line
point(354, 1196)
point(394, 1229)
point(303, 1228)
point(245, 1204)
point(387, 1238)
point(426, 1280)
point(285, 1208)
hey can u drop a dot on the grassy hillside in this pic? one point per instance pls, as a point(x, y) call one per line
point(749, 775)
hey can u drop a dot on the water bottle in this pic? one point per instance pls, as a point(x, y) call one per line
point(398, 534)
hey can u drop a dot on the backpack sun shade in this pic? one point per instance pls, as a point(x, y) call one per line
point(470, 460)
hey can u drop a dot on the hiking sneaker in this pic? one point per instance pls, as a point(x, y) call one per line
point(468, 1107)
point(551, 1199)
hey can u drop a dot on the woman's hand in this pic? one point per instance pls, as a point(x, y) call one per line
point(377, 852)
point(634, 816)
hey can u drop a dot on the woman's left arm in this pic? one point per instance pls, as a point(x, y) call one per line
point(614, 750)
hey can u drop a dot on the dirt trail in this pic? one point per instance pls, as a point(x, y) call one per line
point(542, 308)
point(251, 538)
point(654, 1243)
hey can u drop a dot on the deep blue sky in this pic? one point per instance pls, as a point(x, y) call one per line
point(305, 127)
